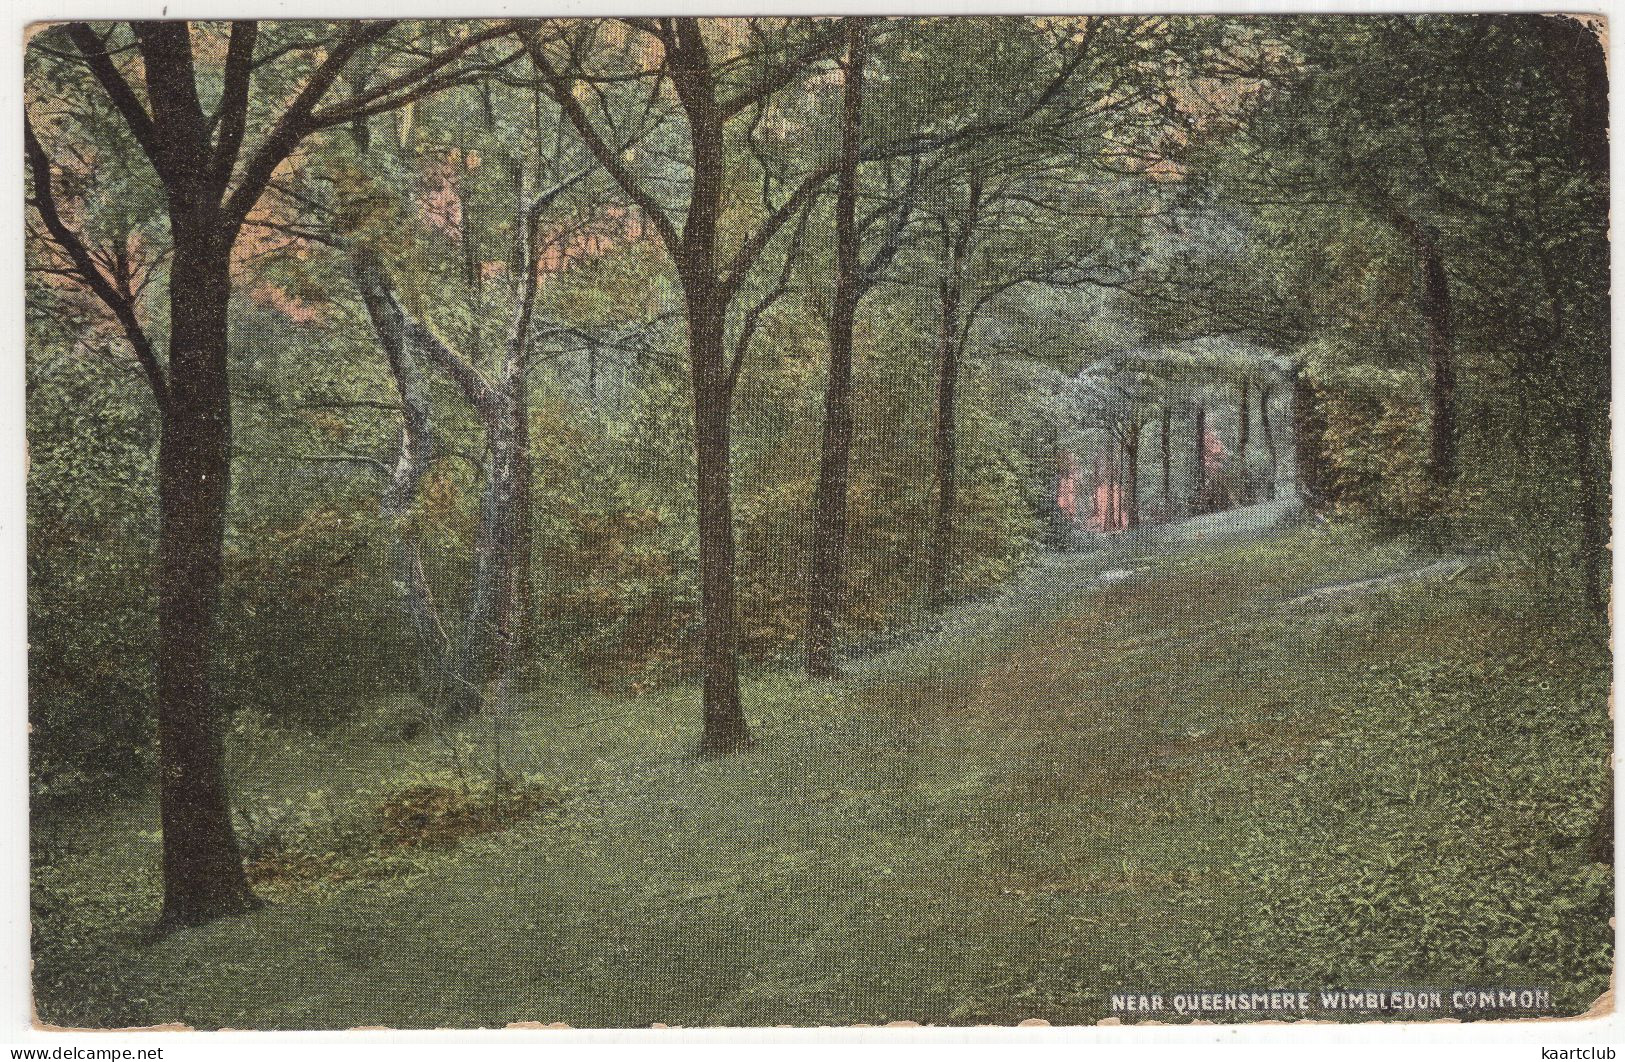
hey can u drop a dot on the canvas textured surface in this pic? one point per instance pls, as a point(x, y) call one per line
point(818, 521)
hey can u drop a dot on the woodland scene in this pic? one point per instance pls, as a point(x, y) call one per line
point(813, 521)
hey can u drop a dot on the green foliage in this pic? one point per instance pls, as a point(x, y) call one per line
point(90, 609)
point(1416, 859)
point(325, 841)
point(309, 572)
point(1374, 439)
point(1053, 788)
point(1069, 790)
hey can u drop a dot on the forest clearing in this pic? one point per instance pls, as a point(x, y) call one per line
point(1053, 816)
point(815, 520)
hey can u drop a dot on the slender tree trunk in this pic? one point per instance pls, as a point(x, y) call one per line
point(1131, 478)
point(510, 490)
point(1438, 316)
point(709, 287)
point(1167, 425)
point(497, 635)
point(1441, 366)
point(1115, 487)
point(1269, 439)
point(494, 633)
point(956, 243)
point(476, 649)
point(524, 578)
point(1199, 460)
point(1244, 429)
point(416, 451)
point(202, 865)
point(436, 678)
point(488, 644)
point(510, 435)
point(947, 436)
point(827, 563)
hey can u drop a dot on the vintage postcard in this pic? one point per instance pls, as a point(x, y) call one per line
point(818, 521)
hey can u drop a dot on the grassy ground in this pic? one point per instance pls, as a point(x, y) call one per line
point(1180, 781)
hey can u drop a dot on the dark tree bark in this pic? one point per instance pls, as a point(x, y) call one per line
point(1199, 459)
point(1269, 439)
point(827, 561)
point(946, 439)
point(950, 289)
point(1131, 476)
point(709, 288)
point(202, 865)
point(1438, 317)
point(707, 301)
point(1244, 429)
point(196, 159)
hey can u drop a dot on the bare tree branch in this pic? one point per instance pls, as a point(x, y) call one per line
point(295, 123)
point(753, 317)
point(84, 266)
point(607, 156)
point(819, 46)
point(93, 50)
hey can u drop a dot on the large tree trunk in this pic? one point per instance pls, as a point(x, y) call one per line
point(1269, 439)
point(827, 560)
point(202, 866)
point(706, 306)
point(196, 157)
point(725, 725)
